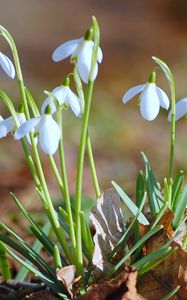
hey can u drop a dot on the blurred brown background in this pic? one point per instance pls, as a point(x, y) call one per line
point(131, 32)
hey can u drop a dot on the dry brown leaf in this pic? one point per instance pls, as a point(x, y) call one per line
point(67, 276)
point(107, 220)
point(120, 288)
point(172, 271)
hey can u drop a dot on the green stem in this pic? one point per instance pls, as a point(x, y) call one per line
point(50, 209)
point(80, 165)
point(65, 182)
point(172, 135)
point(92, 167)
point(13, 113)
point(80, 162)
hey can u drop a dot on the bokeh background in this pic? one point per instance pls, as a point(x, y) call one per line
point(131, 32)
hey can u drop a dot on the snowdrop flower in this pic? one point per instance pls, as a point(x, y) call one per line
point(8, 125)
point(180, 109)
point(82, 50)
point(151, 98)
point(7, 65)
point(63, 95)
point(47, 129)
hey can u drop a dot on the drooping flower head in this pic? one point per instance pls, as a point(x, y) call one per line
point(7, 65)
point(80, 50)
point(63, 95)
point(47, 129)
point(9, 125)
point(151, 98)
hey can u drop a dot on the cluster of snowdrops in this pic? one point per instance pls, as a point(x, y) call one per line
point(74, 244)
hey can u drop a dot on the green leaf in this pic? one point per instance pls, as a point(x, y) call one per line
point(130, 204)
point(26, 251)
point(153, 191)
point(177, 189)
point(140, 243)
point(150, 257)
point(40, 234)
point(152, 264)
point(126, 233)
point(55, 285)
point(23, 272)
point(5, 269)
point(179, 212)
point(87, 238)
point(172, 293)
point(140, 190)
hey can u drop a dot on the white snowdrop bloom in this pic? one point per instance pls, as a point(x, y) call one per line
point(7, 65)
point(151, 98)
point(63, 95)
point(8, 125)
point(82, 50)
point(180, 109)
point(47, 129)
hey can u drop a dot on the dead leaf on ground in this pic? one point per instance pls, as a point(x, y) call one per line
point(120, 288)
point(67, 276)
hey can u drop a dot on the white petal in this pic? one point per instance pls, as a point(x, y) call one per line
point(132, 92)
point(21, 118)
point(74, 102)
point(180, 109)
point(26, 127)
point(149, 102)
point(163, 98)
point(84, 60)
point(99, 55)
point(65, 50)
point(49, 135)
point(60, 93)
point(6, 126)
point(95, 71)
point(7, 65)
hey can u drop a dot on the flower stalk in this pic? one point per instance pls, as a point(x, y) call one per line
point(82, 145)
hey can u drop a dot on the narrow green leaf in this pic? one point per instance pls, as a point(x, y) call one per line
point(141, 242)
point(152, 264)
point(126, 233)
point(55, 285)
point(172, 293)
point(38, 232)
point(150, 257)
point(159, 215)
point(57, 258)
point(5, 268)
point(140, 189)
point(87, 238)
point(23, 272)
point(130, 204)
point(153, 191)
point(179, 212)
point(177, 189)
point(28, 253)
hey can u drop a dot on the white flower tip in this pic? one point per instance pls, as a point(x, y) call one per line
point(7, 65)
point(55, 56)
